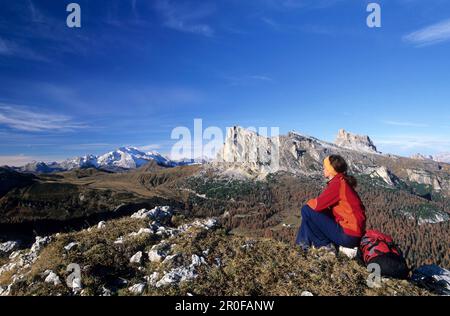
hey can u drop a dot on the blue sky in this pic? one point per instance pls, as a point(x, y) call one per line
point(137, 69)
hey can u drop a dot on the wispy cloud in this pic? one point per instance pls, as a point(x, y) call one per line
point(247, 80)
point(405, 124)
point(134, 8)
point(27, 24)
point(149, 147)
point(433, 34)
point(184, 17)
point(12, 49)
point(34, 120)
point(36, 14)
point(159, 96)
point(299, 4)
point(430, 143)
point(89, 146)
point(271, 23)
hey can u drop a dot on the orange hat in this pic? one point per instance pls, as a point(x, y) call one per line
point(328, 167)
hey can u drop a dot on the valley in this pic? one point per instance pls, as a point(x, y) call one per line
point(248, 200)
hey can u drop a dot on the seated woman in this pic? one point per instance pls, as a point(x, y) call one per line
point(337, 216)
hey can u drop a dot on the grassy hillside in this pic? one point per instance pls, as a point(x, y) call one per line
point(214, 263)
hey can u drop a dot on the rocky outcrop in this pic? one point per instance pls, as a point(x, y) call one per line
point(258, 153)
point(8, 246)
point(384, 174)
point(250, 154)
point(419, 156)
point(247, 154)
point(361, 143)
point(200, 260)
point(424, 177)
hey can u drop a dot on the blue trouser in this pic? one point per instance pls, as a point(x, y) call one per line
point(320, 229)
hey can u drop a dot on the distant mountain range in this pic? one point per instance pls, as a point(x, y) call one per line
point(441, 157)
point(123, 158)
point(253, 146)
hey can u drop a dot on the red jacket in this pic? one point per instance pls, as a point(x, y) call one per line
point(348, 210)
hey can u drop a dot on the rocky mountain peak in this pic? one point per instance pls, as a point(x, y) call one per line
point(361, 143)
point(419, 156)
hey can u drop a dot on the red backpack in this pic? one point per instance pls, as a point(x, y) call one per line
point(379, 248)
point(374, 243)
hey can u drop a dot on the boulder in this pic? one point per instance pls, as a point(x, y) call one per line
point(140, 232)
point(349, 252)
point(152, 279)
point(136, 258)
point(70, 246)
point(137, 288)
point(155, 255)
point(8, 247)
point(159, 213)
point(52, 277)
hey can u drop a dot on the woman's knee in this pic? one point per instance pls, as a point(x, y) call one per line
point(305, 211)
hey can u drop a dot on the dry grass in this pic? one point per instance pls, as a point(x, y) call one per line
point(3, 260)
point(5, 277)
point(273, 268)
point(263, 267)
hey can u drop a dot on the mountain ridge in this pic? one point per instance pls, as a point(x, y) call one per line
point(248, 154)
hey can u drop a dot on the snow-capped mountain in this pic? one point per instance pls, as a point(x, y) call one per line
point(192, 161)
point(121, 158)
point(130, 158)
point(41, 167)
point(80, 162)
